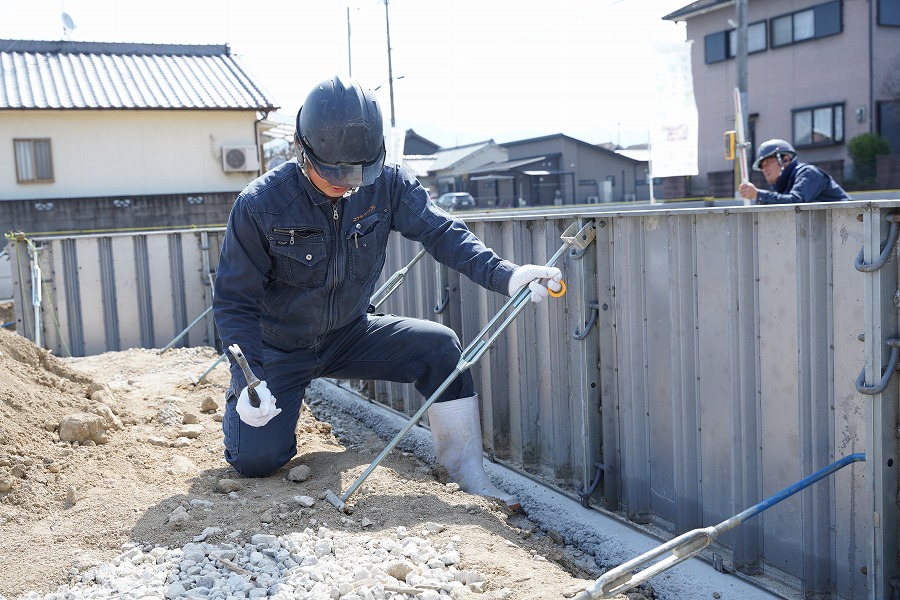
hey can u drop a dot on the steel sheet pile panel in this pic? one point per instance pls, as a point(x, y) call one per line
point(683, 281)
point(779, 411)
point(759, 314)
point(491, 374)
point(113, 292)
point(849, 516)
point(126, 290)
point(742, 310)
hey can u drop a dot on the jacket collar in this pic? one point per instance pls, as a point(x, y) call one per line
point(781, 185)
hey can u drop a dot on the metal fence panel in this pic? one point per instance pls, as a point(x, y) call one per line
point(717, 364)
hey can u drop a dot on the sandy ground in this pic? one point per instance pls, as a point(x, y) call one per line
point(7, 313)
point(100, 451)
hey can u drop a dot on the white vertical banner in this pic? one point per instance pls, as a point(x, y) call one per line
point(394, 141)
point(673, 132)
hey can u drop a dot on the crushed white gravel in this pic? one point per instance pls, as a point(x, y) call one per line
point(315, 564)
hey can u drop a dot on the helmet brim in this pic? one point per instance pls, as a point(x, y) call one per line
point(757, 164)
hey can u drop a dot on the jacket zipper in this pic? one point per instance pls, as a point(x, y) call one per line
point(294, 232)
point(338, 261)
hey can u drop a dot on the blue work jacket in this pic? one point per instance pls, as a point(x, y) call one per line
point(295, 267)
point(802, 182)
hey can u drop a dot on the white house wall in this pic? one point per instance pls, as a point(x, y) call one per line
point(133, 152)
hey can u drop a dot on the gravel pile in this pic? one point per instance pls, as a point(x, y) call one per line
point(316, 564)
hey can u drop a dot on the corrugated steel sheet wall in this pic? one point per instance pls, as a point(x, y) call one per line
point(701, 361)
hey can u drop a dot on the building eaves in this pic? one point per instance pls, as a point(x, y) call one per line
point(419, 164)
point(506, 166)
point(450, 157)
point(97, 75)
point(562, 136)
point(697, 8)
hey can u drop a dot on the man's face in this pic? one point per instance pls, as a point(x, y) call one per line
point(322, 184)
point(771, 169)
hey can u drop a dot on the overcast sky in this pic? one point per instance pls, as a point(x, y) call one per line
point(464, 70)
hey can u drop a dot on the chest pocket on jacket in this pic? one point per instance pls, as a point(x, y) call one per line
point(299, 256)
point(366, 245)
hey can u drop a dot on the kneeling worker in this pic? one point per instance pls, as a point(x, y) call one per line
point(303, 249)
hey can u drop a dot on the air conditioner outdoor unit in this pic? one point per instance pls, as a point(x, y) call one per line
point(239, 158)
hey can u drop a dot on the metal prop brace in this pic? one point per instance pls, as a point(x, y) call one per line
point(687, 545)
point(571, 237)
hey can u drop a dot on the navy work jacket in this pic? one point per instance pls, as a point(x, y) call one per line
point(802, 182)
point(294, 267)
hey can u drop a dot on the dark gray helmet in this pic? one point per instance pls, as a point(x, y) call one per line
point(340, 129)
point(775, 148)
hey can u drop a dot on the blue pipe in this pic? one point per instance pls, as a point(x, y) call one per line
point(803, 483)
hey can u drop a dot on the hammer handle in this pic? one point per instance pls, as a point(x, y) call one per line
point(252, 380)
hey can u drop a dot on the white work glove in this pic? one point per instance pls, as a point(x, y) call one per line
point(530, 274)
point(265, 412)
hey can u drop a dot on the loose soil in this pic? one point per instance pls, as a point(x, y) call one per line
point(100, 451)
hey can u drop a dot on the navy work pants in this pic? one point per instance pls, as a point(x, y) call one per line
point(379, 347)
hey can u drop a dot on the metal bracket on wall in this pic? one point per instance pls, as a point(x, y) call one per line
point(595, 312)
point(894, 345)
point(894, 220)
point(440, 306)
point(585, 495)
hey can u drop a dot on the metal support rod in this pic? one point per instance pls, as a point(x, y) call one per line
point(197, 380)
point(37, 296)
point(392, 283)
point(687, 545)
point(184, 332)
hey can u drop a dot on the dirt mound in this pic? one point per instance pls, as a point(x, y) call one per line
point(122, 448)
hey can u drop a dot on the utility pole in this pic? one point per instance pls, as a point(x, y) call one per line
point(349, 54)
point(387, 22)
point(741, 59)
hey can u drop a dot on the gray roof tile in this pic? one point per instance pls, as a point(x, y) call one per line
point(75, 75)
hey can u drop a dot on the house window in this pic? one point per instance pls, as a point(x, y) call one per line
point(819, 125)
point(716, 45)
point(809, 24)
point(889, 12)
point(34, 163)
point(756, 39)
point(723, 45)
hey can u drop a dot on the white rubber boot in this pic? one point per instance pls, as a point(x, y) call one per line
point(456, 433)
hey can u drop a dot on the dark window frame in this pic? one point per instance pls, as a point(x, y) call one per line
point(889, 13)
point(820, 12)
point(728, 49)
point(837, 125)
point(41, 173)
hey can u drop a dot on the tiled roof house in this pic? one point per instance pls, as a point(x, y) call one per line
point(96, 135)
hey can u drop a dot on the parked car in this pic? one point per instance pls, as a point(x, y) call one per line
point(456, 201)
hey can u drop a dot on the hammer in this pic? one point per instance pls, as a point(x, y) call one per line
point(252, 380)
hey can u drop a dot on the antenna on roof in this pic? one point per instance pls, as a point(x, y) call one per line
point(68, 24)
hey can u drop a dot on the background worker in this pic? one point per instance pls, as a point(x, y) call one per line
point(790, 180)
point(303, 249)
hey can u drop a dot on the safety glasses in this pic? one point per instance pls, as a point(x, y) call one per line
point(348, 174)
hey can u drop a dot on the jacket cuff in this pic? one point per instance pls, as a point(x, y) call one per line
point(502, 275)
